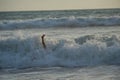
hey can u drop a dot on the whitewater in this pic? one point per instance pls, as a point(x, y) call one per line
point(80, 45)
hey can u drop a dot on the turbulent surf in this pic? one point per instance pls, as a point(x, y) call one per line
point(74, 38)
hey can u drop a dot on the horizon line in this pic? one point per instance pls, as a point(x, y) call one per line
point(56, 9)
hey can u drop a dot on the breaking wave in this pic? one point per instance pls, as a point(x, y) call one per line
point(88, 50)
point(60, 22)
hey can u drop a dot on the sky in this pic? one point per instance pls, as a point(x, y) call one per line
point(26, 5)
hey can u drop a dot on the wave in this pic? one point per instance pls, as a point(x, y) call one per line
point(88, 50)
point(60, 22)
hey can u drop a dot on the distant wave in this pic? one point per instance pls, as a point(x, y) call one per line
point(88, 50)
point(69, 22)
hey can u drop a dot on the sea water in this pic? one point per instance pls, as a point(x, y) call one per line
point(81, 45)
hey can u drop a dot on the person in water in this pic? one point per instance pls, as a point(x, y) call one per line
point(43, 41)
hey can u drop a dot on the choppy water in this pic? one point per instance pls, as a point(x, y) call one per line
point(70, 18)
point(75, 49)
point(65, 47)
point(58, 73)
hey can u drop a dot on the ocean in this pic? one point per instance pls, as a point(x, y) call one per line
point(80, 45)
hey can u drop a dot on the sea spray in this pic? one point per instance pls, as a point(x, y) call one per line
point(88, 50)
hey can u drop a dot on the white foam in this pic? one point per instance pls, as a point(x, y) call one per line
point(60, 22)
point(26, 51)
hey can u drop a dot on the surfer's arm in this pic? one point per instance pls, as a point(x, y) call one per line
point(43, 41)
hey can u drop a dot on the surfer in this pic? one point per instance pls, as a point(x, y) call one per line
point(43, 41)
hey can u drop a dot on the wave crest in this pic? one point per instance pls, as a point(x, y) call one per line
point(89, 50)
point(60, 22)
